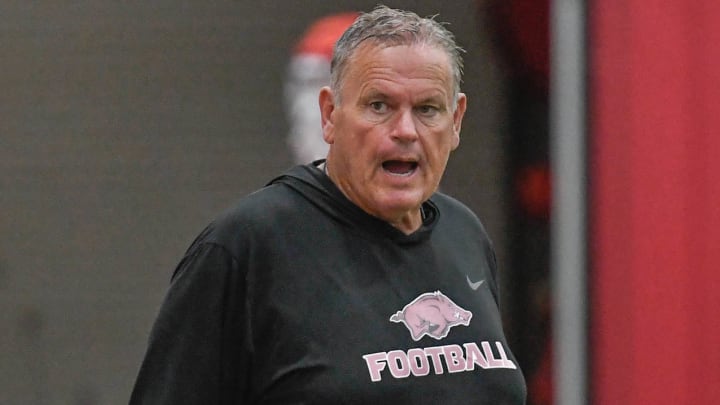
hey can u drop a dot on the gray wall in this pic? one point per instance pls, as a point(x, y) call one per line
point(124, 128)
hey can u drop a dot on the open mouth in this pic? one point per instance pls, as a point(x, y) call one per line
point(399, 168)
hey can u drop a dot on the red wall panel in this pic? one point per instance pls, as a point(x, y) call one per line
point(655, 201)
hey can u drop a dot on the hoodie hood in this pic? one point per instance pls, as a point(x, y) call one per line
point(313, 184)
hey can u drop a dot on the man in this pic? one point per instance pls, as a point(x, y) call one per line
point(347, 281)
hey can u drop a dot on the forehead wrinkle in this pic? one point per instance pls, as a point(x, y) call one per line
point(435, 93)
point(382, 74)
point(393, 90)
point(444, 68)
point(382, 80)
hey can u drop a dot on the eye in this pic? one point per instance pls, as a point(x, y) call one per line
point(427, 110)
point(378, 106)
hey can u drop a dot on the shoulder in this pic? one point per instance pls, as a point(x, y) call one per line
point(262, 205)
point(456, 214)
point(460, 228)
point(253, 220)
point(459, 225)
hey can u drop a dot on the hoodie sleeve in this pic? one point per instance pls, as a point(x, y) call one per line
point(196, 352)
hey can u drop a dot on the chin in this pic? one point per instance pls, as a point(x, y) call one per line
point(401, 202)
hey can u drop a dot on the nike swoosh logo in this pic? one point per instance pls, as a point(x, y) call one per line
point(474, 285)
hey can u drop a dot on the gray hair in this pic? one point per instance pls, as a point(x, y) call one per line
point(391, 27)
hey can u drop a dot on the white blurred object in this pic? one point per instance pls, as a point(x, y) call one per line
point(308, 72)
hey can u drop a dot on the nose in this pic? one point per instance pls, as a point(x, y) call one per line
point(404, 128)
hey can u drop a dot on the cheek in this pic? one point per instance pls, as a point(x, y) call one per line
point(452, 139)
point(441, 145)
point(360, 141)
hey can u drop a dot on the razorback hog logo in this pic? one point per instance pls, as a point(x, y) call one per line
point(431, 314)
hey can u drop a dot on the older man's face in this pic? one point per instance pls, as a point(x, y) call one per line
point(392, 134)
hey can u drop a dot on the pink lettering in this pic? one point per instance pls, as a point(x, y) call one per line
point(492, 361)
point(376, 364)
point(503, 356)
point(474, 357)
point(454, 358)
point(418, 362)
point(434, 353)
point(398, 364)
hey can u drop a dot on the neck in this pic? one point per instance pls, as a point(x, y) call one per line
point(406, 223)
point(410, 223)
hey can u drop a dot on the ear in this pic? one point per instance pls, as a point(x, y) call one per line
point(327, 107)
point(457, 119)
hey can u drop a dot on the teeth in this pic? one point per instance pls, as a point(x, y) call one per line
point(399, 168)
point(399, 174)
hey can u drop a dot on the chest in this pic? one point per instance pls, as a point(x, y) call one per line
point(375, 324)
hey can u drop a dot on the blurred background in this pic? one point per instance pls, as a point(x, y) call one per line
point(125, 127)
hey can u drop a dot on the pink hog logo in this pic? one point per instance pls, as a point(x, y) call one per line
point(431, 314)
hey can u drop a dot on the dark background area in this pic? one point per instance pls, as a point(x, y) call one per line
point(126, 126)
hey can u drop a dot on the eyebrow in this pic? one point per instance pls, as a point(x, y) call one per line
point(375, 93)
point(435, 99)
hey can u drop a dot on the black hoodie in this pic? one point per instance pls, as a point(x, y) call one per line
point(297, 296)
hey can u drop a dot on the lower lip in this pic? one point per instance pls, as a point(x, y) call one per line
point(408, 174)
point(401, 176)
